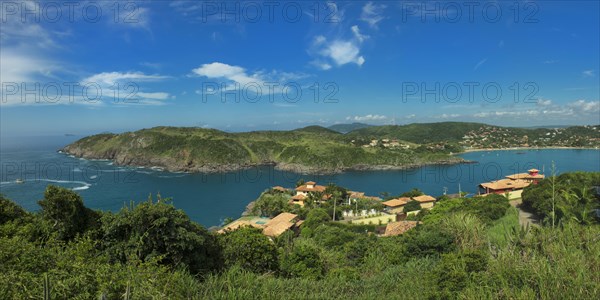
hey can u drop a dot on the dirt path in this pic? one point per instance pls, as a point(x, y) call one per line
point(525, 218)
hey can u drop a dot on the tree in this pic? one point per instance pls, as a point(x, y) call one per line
point(270, 205)
point(304, 260)
point(412, 205)
point(248, 248)
point(316, 217)
point(158, 231)
point(65, 211)
point(412, 193)
point(10, 211)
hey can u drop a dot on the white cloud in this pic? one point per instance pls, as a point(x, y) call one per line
point(372, 13)
point(480, 63)
point(447, 116)
point(588, 73)
point(343, 52)
point(366, 118)
point(581, 109)
point(550, 61)
point(338, 51)
point(236, 77)
point(585, 107)
point(110, 78)
point(356, 31)
point(156, 96)
point(544, 102)
point(233, 73)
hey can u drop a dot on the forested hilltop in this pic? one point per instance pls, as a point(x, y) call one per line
point(316, 149)
point(463, 248)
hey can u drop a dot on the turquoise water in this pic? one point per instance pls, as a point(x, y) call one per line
point(209, 198)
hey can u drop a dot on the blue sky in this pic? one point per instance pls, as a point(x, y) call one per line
point(389, 62)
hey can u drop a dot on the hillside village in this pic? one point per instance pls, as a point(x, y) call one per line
point(280, 209)
point(500, 137)
point(493, 137)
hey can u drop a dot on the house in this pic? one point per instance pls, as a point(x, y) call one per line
point(426, 201)
point(298, 199)
point(309, 187)
point(532, 175)
point(504, 185)
point(514, 183)
point(256, 222)
point(278, 225)
point(396, 205)
point(398, 228)
point(305, 190)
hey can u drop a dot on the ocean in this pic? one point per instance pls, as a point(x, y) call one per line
point(209, 198)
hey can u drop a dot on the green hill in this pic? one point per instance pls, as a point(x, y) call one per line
point(318, 149)
point(309, 149)
point(345, 128)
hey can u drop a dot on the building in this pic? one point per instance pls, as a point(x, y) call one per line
point(298, 199)
point(396, 206)
point(514, 183)
point(426, 201)
point(309, 187)
point(278, 225)
point(398, 228)
point(305, 190)
point(532, 176)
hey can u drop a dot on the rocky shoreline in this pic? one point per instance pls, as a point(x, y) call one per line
point(171, 165)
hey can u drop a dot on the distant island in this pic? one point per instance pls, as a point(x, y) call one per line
point(316, 149)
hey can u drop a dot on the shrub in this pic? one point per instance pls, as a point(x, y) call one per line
point(150, 231)
point(250, 249)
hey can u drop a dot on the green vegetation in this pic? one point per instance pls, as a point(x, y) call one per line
point(450, 135)
point(568, 197)
point(465, 248)
point(318, 149)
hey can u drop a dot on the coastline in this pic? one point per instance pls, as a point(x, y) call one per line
point(526, 148)
point(280, 166)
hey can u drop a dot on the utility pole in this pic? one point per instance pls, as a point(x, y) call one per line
point(334, 201)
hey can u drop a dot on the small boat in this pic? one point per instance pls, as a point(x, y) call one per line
point(19, 181)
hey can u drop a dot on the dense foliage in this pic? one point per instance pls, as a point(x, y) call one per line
point(570, 196)
point(465, 248)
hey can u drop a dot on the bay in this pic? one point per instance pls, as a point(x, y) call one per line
point(209, 198)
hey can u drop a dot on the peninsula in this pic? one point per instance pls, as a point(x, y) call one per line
point(316, 149)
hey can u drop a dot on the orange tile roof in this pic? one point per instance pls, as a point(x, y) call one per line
point(237, 224)
point(316, 188)
point(397, 228)
point(280, 188)
point(279, 224)
point(396, 202)
point(503, 184)
point(299, 197)
point(310, 183)
point(356, 194)
point(424, 198)
point(525, 176)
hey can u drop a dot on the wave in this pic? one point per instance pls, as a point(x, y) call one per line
point(84, 185)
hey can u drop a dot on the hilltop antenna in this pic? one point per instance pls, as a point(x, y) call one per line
point(459, 191)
